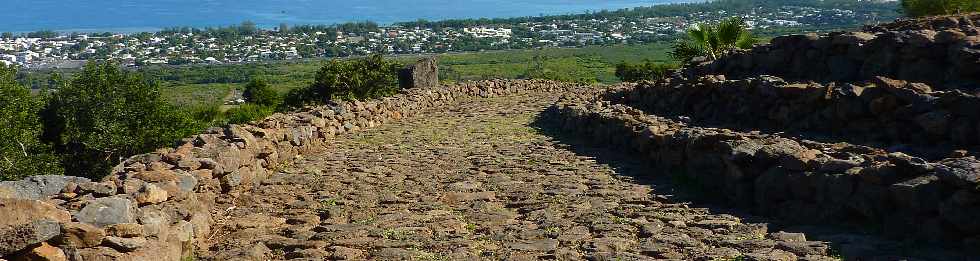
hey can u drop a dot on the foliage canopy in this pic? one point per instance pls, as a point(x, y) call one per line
point(258, 92)
point(105, 114)
point(21, 151)
point(645, 71)
point(712, 41)
point(363, 78)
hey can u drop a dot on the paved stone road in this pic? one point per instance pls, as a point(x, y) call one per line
point(477, 181)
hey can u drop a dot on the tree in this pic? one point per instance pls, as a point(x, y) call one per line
point(646, 71)
point(258, 92)
point(22, 153)
point(713, 41)
point(7, 35)
point(917, 8)
point(104, 115)
point(364, 78)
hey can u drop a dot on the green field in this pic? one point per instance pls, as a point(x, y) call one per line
point(194, 95)
point(193, 86)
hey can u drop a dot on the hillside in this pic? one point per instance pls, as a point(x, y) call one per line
point(847, 145)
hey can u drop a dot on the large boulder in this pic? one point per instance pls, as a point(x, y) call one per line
point(27, 222)
point(961, 172)
point(151, 194)
point(20, 237)
point(107, 211)
point(44, 252)
point(23, 211)
point(37, 187)
point(81, 235)
point(423, 74)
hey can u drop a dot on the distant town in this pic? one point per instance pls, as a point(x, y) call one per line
point(247, 43)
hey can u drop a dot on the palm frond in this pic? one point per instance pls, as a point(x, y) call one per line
point(730, 30)
point(699, 32)
point(713, 41)
point(686, 50)
point(746, 41)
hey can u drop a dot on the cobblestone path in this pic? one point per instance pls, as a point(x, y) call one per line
point(472, 181)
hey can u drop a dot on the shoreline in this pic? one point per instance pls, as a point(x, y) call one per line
point(335, 21)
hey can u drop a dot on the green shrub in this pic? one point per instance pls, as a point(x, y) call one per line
point(21, 152)
point(247, 112)
point(917, 8)
point(365, 78)
point(257, 91)
point(712, 41)
point(105, 114)
point(206, 116)
point(646, 71)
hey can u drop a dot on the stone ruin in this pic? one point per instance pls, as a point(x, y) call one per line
point(942, 52)
point(890, 142)
point(424, 73)
point(876, 128)
point(158, 206)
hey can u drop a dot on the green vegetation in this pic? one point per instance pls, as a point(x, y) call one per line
point(713, 41)
point(536, 69)
point(246, 113)
point(104, 115)
point(21, 151)
point(363, 78)
point(917, 8)
point(196, 95)
point(207, 85)
point(646, 71)
point(589, 64)
point(258, 92)
point(262, 102)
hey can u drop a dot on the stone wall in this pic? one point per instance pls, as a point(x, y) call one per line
point(799, 180)
point(942, 52)
point(157, 206)
point(885, 113)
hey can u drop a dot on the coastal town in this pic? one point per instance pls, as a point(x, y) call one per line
point(249, 43)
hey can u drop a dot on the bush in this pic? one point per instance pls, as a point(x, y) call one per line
point(917, 8)
point(364, 78)
point(714, 40)
point(207, 115)
point(21, 152)
point(247, 112)
point(104, 115)
point(646, 71)
point(257, 91)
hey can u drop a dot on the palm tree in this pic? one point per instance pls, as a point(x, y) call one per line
point(710, 41)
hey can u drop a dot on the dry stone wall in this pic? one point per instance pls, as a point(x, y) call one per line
point(886, 113)
point(799, 180)
point(157, 206)
point(942, 52)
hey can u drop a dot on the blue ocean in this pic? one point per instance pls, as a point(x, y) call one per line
point(150, 15)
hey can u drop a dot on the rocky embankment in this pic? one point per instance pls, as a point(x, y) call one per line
point(877, 129)
point(943, 52)
point(157, 206)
